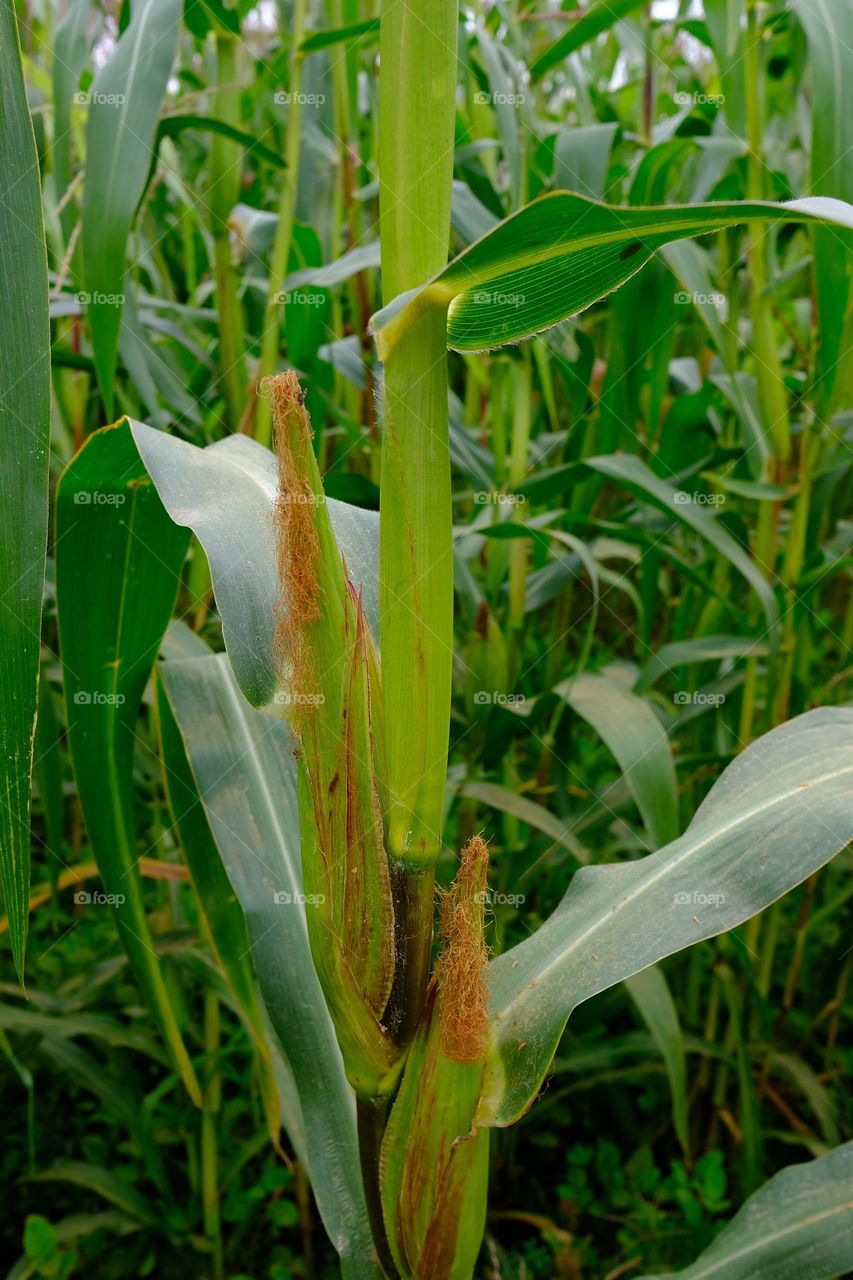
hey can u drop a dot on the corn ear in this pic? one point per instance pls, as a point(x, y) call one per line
point(434, 1168)
point(331, 690)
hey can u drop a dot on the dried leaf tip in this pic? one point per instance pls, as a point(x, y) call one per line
point(297, 538)
point(461, 969)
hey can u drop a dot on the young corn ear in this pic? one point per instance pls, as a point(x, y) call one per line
point(330, 674)
point(434, 1169)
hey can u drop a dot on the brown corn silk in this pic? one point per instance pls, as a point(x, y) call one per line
point(297, 543)
point(461, 969)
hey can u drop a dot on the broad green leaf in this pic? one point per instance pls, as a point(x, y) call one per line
point(222, 917)
point(582, 158)
point(171, 126)
point(25, 399)
point(650, 992)
point(778, 813)
point(642, 482)
point(202, 488)
point(631, 472)
point(535, 815)
point(600, 16)
point(118, 562)
point(638, 740)
point(125, 101)
point(682, 653)
point(829, 31)
point(800, 1223)
point(364, 33)
point(103, 1183)
point(560, 254)
point(245, 773)
point(359, 258)
point(71, 49)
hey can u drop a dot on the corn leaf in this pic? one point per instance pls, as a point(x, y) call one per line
point(125, 102)
point(800, 1223)
point(222, 919)
point(202, 488)
point(558, 255)
point(638, 740)
point(118, 561)
point(650, 992)
point(600, 16)
point(778, 812)
point(828, 30)
point(25, 399)
point(245, 774)
point(71, 39)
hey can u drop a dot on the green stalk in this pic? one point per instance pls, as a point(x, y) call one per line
point(212, 1097)
point(416, 129)
point(417, 94)
point(223, 195)
point(284, 228)
point(768, 369)
point(518, 550)
point(772, 395)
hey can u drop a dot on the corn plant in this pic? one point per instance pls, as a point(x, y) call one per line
point(306, 767)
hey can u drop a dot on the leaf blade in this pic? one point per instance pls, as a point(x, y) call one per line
point(25, 397)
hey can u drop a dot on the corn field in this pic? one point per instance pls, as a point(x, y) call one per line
point(426, 707)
